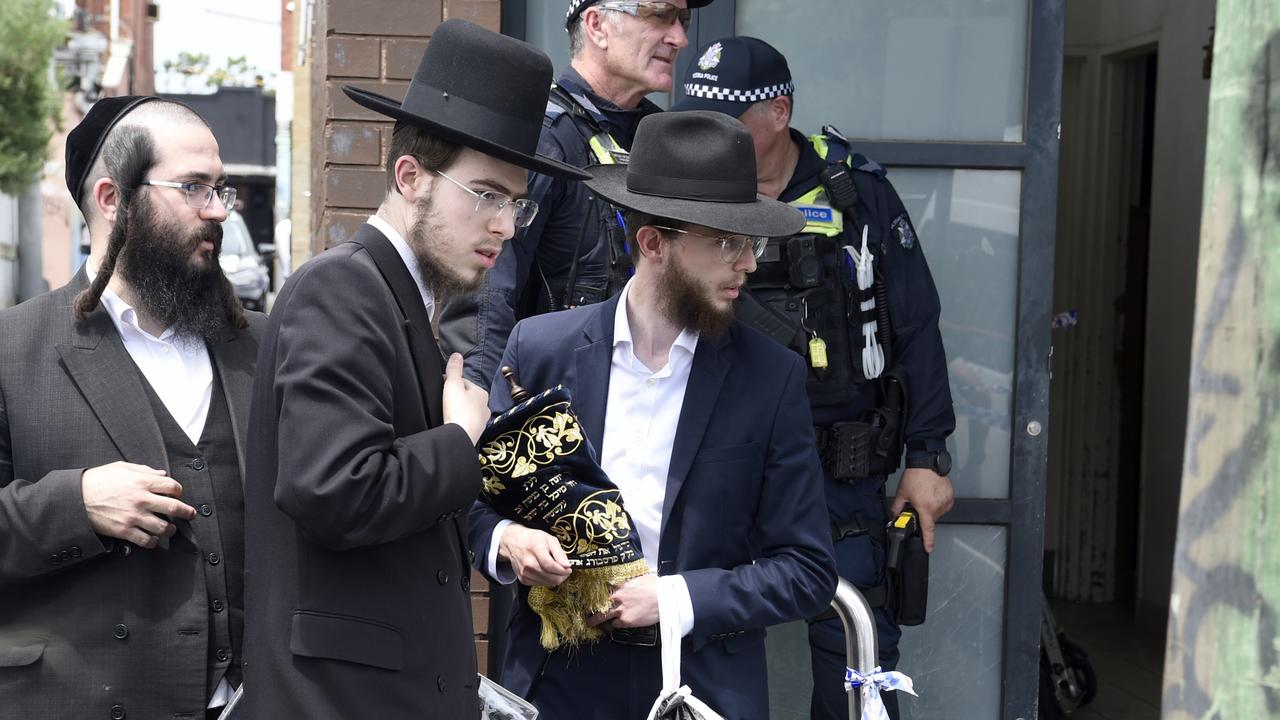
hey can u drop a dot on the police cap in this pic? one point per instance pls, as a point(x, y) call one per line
point(732, 74)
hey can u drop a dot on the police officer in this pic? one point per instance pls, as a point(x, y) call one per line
point(574, 251)
point(854, 295)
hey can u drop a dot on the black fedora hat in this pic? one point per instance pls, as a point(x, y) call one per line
point(481, 90)
point(697, 167)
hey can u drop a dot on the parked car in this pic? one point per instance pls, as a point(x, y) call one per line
point(243, 266)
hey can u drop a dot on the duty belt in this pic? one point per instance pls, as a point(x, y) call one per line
point(848, 451)
point(854, 526)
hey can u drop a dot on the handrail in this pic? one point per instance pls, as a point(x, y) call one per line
point(860, 647)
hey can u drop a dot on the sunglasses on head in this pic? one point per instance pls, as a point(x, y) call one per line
point(663, 14)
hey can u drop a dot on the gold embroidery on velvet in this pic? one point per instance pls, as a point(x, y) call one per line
point(543, 438)
point(599, 517)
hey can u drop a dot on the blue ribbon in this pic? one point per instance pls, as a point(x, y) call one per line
point(871, 684)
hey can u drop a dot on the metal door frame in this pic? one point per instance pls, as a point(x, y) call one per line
point(1036, 157)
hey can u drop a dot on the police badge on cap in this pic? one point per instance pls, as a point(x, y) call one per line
point(711, 57)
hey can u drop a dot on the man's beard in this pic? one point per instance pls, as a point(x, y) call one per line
point(168, 286)
point(684, 301)
point(426, 240)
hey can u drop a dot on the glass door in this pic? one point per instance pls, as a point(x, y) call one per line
point(960, 100)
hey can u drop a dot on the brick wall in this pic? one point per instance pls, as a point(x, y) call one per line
point(375, 45)
point(134, 25)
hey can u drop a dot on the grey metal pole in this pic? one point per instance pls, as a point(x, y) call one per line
point(860, 646)
point(31, 280)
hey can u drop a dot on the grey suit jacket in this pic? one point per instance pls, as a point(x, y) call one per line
point(91, 626)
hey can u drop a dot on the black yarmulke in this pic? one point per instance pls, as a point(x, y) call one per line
point(84, 142)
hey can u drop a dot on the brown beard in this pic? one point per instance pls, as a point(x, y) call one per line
point(193, 298)
point(684, 302)
point(443, 281)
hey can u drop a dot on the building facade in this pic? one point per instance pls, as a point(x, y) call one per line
point(1051, 156)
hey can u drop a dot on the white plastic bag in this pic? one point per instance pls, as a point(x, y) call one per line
point(675, 702)
point(499, 703)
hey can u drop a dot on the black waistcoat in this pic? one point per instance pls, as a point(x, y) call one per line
point(209, 472)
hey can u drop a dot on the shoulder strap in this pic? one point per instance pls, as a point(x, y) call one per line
point(844, 172)
point(834, 147)
point(565, 99)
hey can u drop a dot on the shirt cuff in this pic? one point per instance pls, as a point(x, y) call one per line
point(920, 450)
point(675, 587)
point(499, 570)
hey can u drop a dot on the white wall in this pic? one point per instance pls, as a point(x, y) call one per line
point(1098, 29)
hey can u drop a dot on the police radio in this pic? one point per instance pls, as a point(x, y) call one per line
point(839, 184)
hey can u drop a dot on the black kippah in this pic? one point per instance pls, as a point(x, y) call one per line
point(84, 142)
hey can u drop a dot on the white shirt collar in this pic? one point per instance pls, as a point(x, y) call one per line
point(687, 339)
point(410, 260)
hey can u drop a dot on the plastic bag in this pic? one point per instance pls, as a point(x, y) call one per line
point(675, 701)
point(499, 703)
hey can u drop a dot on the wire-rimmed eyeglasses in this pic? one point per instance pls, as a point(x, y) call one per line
point(522, 211)
point(731, 246)
point(199, 194)
point(662, 14)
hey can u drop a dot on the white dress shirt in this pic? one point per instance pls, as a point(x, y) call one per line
point(410, 262)
point(640, 422)
point(177, 368)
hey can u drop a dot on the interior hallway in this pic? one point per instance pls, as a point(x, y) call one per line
point(1127, 657)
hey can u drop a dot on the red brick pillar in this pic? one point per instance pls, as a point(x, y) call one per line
point(375, 45)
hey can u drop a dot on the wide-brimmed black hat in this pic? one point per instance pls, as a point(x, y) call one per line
point(480, 90)
point(577, 6)
point(697, 167)
point(84, 142)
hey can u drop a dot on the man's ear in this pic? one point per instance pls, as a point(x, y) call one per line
point(652, 243)
point(105, 197)
point(593, 22)
point(412, 180)
point(780, 112)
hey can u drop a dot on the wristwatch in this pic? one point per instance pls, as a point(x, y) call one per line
point(938, 461)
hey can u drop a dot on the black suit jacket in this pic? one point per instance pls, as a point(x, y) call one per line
point(357, 602)
point(743, 518)
point(86, 622)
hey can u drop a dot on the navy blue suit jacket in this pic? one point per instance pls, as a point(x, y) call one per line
point(744, 520)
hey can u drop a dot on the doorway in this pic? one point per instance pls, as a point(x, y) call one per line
point(1093, 494)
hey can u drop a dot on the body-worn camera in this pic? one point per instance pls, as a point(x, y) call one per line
point(805, 265)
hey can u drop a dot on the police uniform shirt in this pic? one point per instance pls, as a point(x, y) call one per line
point(913, 307)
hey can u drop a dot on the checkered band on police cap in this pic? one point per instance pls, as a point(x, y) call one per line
point(712, 92)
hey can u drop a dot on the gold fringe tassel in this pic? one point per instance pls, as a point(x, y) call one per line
point(564, 609)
